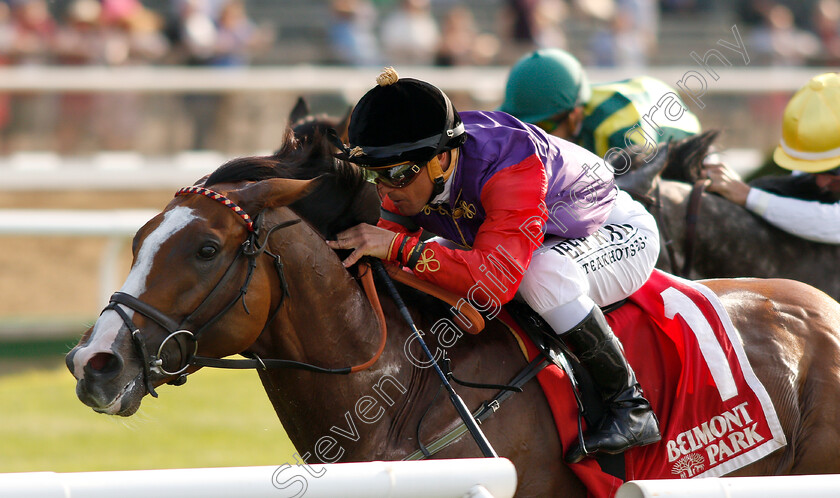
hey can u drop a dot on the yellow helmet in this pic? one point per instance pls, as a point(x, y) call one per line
point(811, 127)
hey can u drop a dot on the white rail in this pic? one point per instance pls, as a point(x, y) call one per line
point(116, 225)
point(68, 222)
point(479, 477)
point(39, 171)
point(812, 486)
point(486, 83)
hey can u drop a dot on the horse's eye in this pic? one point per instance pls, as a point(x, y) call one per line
point(207, 252)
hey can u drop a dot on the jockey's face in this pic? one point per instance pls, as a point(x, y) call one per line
point(410, 199)
point(565, 125)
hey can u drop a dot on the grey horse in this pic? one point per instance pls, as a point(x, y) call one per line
point(723, 239)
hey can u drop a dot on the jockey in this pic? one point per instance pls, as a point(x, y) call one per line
point(528, 215)
point(549, 88)
point(810, 146)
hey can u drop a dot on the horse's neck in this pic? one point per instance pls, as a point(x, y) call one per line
point(328, 321)
point(325, 309)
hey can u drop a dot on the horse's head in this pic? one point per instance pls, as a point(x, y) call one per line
point(191, 275)
point(306, 125)
point(204, 281)
point(681, 160)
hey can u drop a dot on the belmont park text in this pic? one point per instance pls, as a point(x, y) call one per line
point(733, 423)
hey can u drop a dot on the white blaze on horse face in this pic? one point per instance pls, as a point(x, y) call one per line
point(109, 323)
point(173, 221)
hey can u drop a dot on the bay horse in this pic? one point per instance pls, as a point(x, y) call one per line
point(726, 240)
point(280, 294)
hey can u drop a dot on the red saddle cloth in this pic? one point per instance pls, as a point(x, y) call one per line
point(714, 414)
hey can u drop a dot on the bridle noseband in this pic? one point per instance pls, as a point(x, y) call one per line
point(181, 334)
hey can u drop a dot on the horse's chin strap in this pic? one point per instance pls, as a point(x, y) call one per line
point(135, 338)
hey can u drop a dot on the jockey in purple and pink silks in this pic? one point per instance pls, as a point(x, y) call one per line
point(517, 213)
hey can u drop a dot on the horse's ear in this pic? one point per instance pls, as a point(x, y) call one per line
point(685, 157)
point(201, 181)
point(344, 125)
point(299, 111)
point(274, 192)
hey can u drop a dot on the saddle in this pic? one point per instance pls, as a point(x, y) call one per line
point(715, 417)
point(590, 405)
point(543, 337)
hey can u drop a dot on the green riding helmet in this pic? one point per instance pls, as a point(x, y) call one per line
point(545, 83)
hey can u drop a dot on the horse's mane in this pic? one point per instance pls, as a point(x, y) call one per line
point(342, 198)
point(679, 160)
point(684, 158)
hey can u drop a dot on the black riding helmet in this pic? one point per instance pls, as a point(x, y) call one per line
point(402, 119)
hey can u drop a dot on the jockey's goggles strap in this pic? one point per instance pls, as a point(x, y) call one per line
point(809, 156)
point(221, 199)
point(396, 149)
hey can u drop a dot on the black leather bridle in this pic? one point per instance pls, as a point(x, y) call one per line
point(179, 332)
point(187, 341)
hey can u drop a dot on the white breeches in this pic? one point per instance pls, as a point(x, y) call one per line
point(568, 277)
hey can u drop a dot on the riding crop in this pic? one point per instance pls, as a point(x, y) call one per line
point(457, 402)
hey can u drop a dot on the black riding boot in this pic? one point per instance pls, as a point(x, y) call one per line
point(629, 420)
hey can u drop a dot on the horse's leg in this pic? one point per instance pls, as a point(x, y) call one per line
point(791, 333)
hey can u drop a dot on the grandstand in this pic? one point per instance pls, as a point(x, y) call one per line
point(301, 26)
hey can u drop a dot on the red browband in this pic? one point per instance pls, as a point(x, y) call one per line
point(219, 198)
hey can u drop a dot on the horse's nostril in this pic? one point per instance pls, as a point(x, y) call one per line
point(103, 363)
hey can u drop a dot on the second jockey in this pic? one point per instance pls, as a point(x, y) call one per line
point(527, 215)
point(549, 88)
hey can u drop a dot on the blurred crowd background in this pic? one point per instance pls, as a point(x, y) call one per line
point(632, 34)
point(428, 32)
point(72, 134)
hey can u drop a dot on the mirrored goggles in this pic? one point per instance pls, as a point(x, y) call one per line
point(397, 176)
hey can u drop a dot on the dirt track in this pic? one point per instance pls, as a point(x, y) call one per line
point(58, 276)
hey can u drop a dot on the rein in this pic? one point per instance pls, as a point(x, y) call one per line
point(180, 334)
point(370, 292)
point(655, 201)
point(692, 217)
